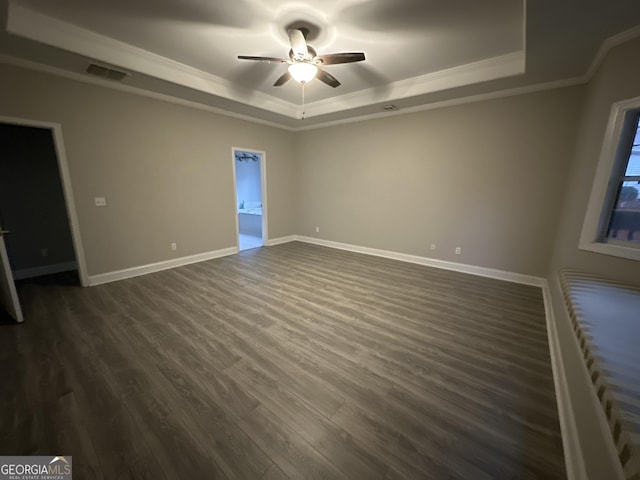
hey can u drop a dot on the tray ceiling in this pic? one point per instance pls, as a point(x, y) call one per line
point(417, 51)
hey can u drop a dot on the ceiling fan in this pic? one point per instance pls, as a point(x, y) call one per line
point(304, 63)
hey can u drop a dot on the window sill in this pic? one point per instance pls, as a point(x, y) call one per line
point(630, 253)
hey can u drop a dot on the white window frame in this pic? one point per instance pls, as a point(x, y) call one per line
point(605, 186)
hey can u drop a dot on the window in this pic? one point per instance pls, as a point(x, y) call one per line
point(612, 223)
point(624, 224)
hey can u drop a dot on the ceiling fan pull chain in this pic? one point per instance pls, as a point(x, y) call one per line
point(302, 102)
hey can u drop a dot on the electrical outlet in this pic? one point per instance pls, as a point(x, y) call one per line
point(458, 250)
point(174, 246)
point(433, 246)
point(100, 201)
point(317, 229)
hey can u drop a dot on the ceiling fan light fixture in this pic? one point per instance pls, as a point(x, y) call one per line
point(303, 72)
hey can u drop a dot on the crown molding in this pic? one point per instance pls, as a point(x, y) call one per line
point(18, 62)
point(78, 77)
point(30, 24)
point(41, 28)
point(607, 45)
point(459, 76)
point(38, 27)
point(481, 97)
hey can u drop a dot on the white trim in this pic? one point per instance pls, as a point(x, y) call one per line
point(235, 196)
point(263, 197)
point(67, 187)
point(159, 266)
point(430, 262)
point(13, 307)
point(28, 23)
point(92, 80)
point(44, 270)
point(280, 240)
point(481, 97)
point(591, 226)
point(263, 192)
point(608, 44)
point(605, 47)
point(481, 71)
point(611, 249)
point(573, 458)
point(575, 444)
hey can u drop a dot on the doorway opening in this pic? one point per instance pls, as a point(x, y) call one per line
point(37, 214)
point(250, 191)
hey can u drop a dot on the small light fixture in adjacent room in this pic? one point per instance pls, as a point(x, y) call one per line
point(303, 72)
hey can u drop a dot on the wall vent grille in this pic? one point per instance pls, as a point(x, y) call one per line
point(105, 72)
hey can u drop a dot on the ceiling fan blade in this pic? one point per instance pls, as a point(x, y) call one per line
point(298, 43)
point(284, 78)
point(327, 78)
point(262, 59)
point(335, 58)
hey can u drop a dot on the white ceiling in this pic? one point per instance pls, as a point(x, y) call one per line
point(418, 52)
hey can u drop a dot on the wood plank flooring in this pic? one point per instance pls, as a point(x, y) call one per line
point(294, 361)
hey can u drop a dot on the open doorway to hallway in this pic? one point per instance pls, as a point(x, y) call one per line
point(32, 203)
point(39, 238)
point(250, 197)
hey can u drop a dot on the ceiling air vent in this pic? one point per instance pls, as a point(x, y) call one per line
point(105, 72)
point(390, 108)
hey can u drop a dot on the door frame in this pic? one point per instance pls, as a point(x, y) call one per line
point(67, 189)
point(6, 276)
point(263, 191)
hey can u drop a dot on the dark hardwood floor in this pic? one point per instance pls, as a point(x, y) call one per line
point(295, 361)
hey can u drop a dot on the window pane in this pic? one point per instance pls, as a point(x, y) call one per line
point(625, 219)
point(633, 167)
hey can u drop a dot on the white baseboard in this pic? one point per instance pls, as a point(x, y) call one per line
point(430, 262)
point(159, 266)
point(573, 458)
point(575, 464)
point(44, 270)
point(278, 241)
point(574, 461)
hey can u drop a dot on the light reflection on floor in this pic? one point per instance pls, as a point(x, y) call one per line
point(249, 241)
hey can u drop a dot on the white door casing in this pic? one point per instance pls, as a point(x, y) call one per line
point(67, 190)
point(263, 188)
point(8, 294)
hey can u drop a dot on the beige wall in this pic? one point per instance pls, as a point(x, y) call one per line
point(617, 79)
point(486, 176)
point(504, 179)
point(165, 169)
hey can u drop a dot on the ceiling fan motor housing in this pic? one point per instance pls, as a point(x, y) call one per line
point(304, 62)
